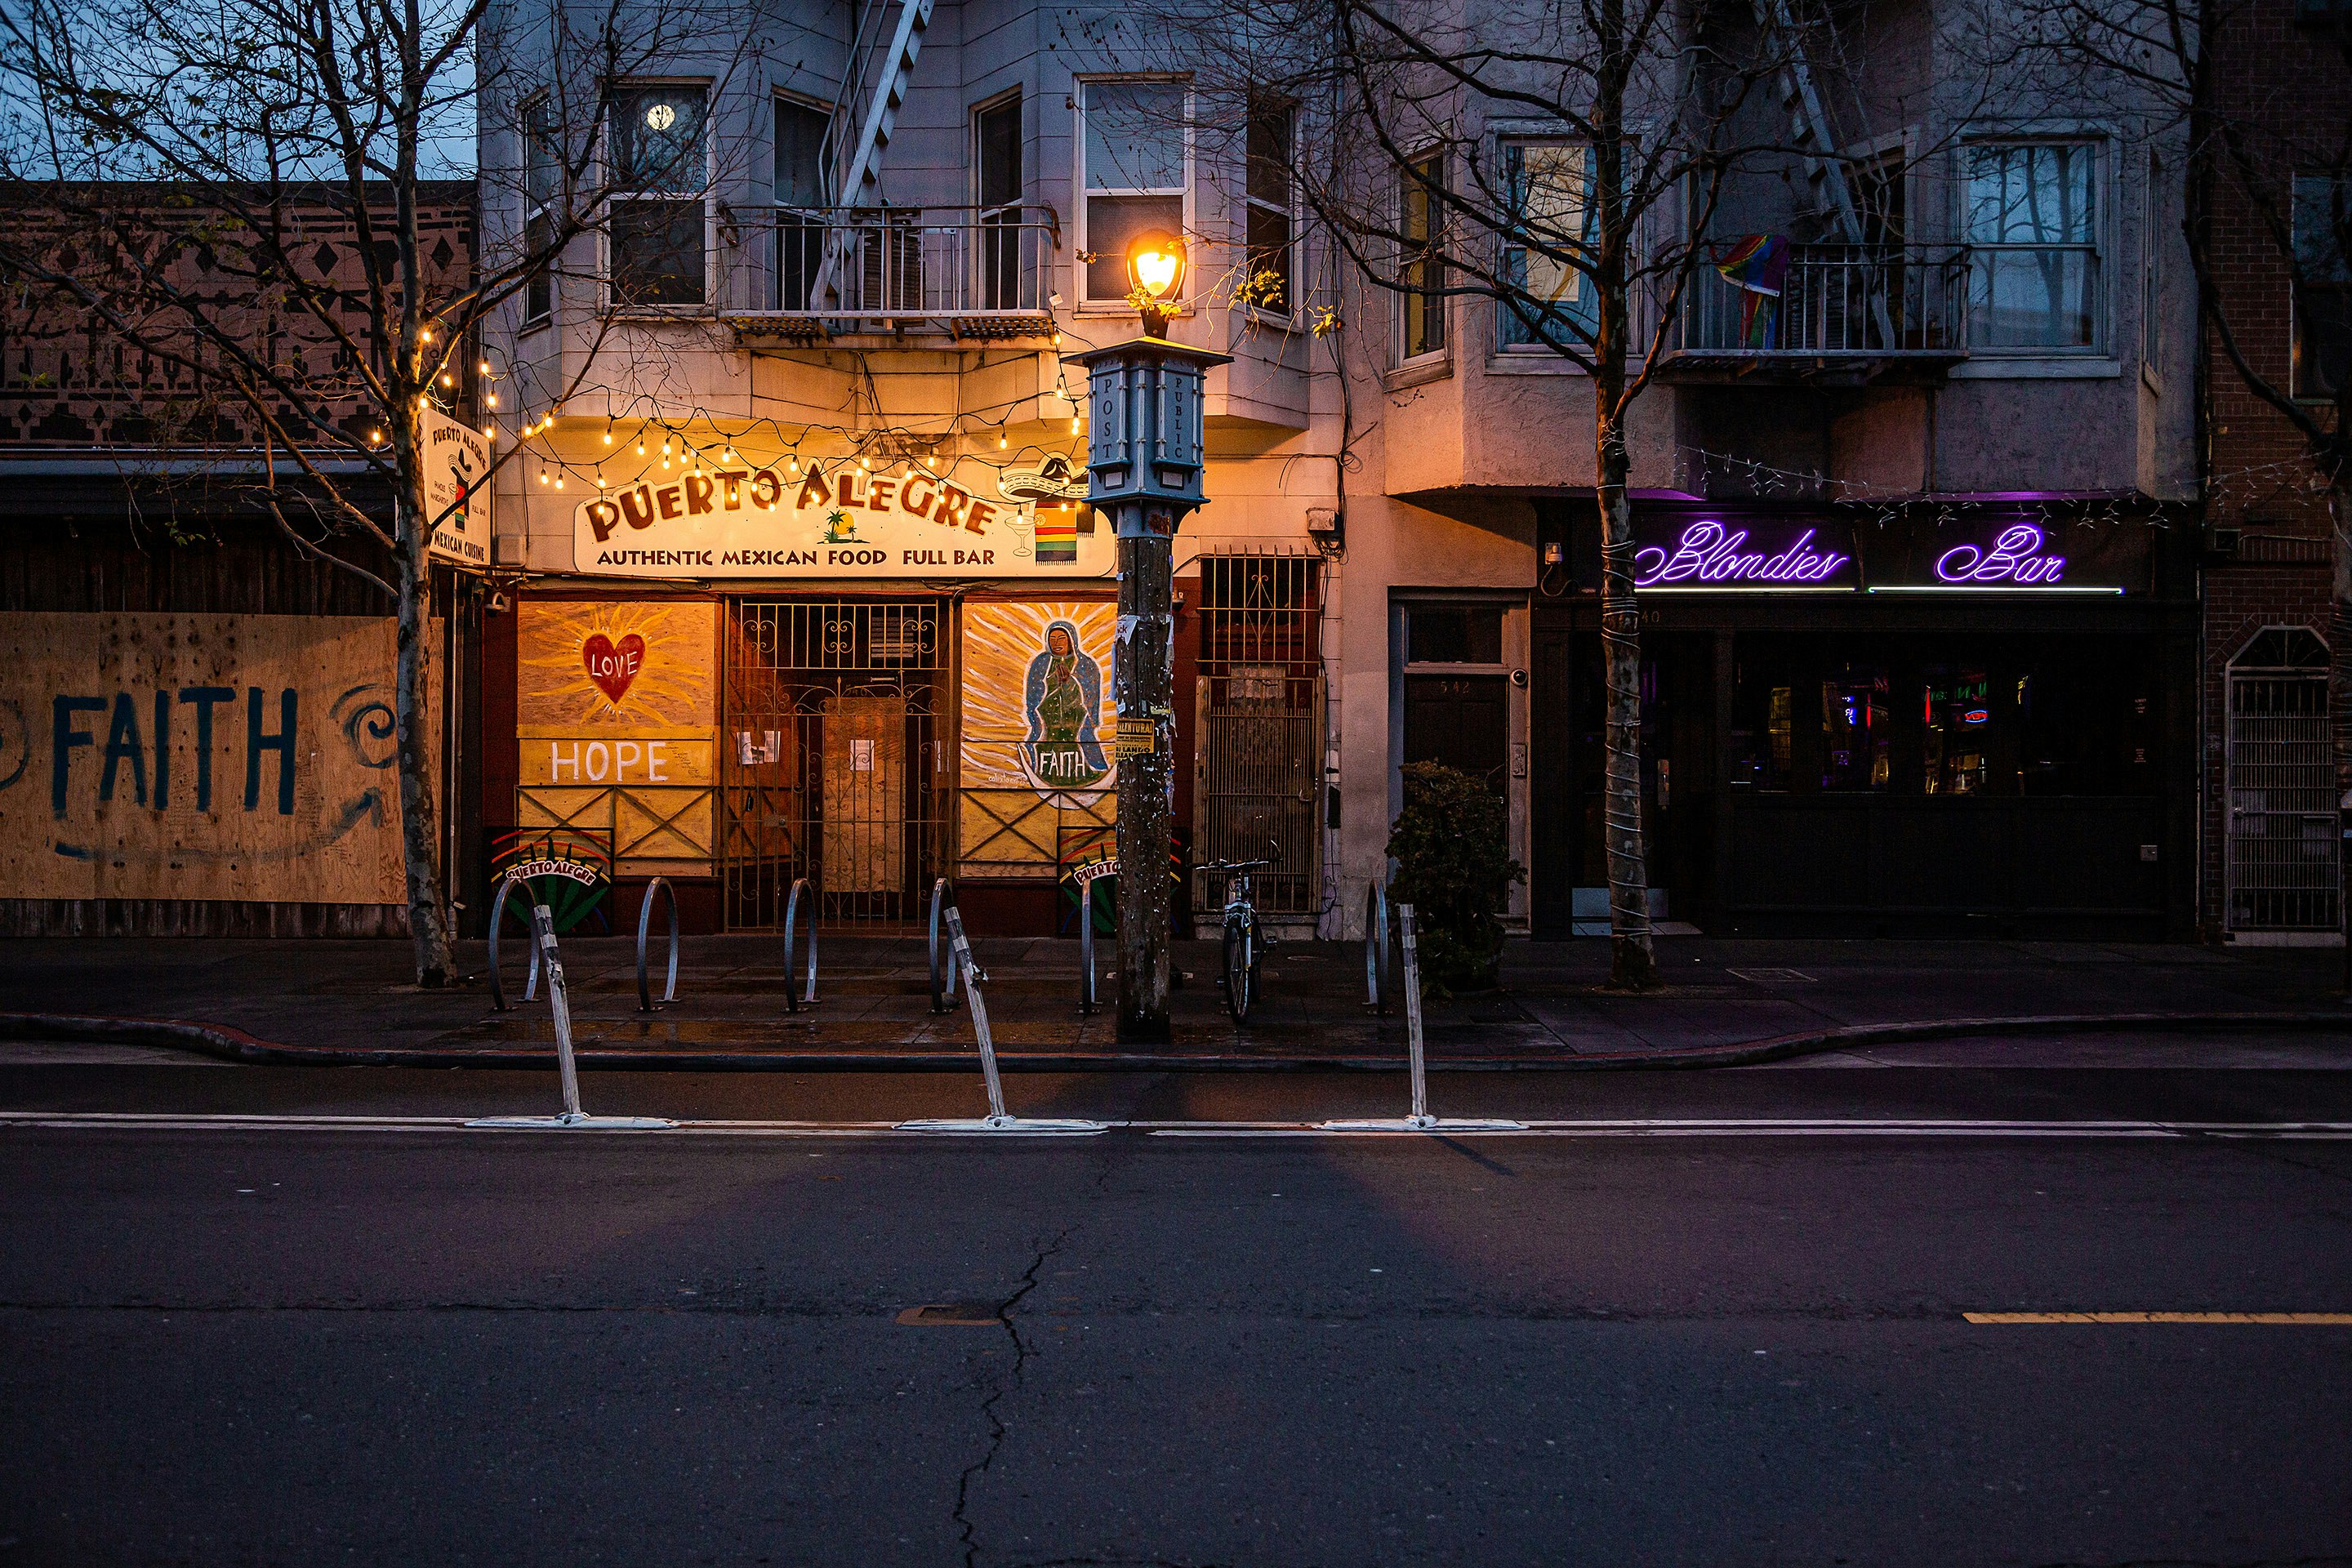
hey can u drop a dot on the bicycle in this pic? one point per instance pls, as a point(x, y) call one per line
point(1244, 942)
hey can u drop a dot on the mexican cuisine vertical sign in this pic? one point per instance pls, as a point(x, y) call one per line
point(1038, 718)
point(457, 490)
point(616, 713)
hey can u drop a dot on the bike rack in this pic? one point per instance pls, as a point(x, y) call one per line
point(646, 1002)
point(943, 974)
point(1089, 976)
point(542, 933)
point(1378, 982)
point(793, 1003)
point(498, 918)
point(997, 1120)
point(1416, 1060)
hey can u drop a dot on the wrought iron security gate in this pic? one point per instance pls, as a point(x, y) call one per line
point(835, 764)
point(2284, 872)
point(1258, 768)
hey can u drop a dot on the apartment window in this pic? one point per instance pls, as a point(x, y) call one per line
point(1000, 185)
point(1270, 141)
point(2032, 230)
point(2323, 306)
point(659, 226)
point(1137, 170)
point(1550, 186)
point(542, 185)
point(1421, 272)
point(801, 199)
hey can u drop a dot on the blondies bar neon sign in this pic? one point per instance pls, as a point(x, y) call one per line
point(1711, 556)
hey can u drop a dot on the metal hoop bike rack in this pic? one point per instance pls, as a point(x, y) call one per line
point(646, 1002)
point(943, 963)
point(801, 895)
point(1378, 982)
point(498, 1003)
point(542, 940)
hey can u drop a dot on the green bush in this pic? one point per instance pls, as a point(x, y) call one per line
point(1452, 846)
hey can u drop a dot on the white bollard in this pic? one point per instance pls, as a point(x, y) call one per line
point(542, 932)
point(1420, 1119)
point(996, 1120)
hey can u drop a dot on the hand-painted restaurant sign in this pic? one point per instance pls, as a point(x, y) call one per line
point(836, 519)
point(1992, 553)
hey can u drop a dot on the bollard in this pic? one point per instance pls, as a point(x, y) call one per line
point(943, 968)
point(996, 1120)
point(1419, 1120)
point(1377, 981)
point(542, 932)
point(1085, 950)
point(498, 1003)
point(646, 1002)
point(791, 924)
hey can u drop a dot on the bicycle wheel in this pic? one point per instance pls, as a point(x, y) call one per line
point(1241, 969)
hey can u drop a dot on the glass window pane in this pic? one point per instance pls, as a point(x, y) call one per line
point(2033, 298)
point(2030, 193)
point(539, 294)
point(1111, 223)
point(543, 156)
point(1454, 634)
point(999, 136)
point(800, 155)
point(1857, 730)
point(1269, 260)
point(657, 253)
point(2323, 340)
point(1135, 136)
point(1268, 177)
point(657, 138)
point(2322, 217)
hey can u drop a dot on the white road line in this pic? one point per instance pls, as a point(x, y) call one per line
point(1648, 1127)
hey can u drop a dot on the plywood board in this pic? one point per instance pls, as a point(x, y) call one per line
point(643, 664)
point(207, 757)
point(864, 753)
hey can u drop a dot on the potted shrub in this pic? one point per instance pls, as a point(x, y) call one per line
point(1451, 846)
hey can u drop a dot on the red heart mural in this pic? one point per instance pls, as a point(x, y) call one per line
point(612, 666)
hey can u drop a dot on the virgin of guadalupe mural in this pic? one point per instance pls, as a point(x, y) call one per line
point(1063, 699)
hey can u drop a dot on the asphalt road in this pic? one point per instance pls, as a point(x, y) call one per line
point(1721, 1337)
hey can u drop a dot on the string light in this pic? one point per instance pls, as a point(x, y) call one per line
point(730, 454)
point(1003, 441)
point(542, 476)
point(641, 443)
point(484, 367)
point(608, 433)
point(493, 399)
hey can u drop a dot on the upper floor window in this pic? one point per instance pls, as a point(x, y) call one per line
point(1270, 140)
point(659, 224)
point(1420, 271)
point(1136, 170)
point(2322, 307)
point(542, 185)
point(2033, 232)
point(998, 183)
point(1549, 299)
point(801, 196)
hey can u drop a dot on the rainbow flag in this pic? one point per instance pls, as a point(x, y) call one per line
point(1756, 263)
point(1058, 535)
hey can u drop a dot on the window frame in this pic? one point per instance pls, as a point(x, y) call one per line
point(1252, 203)
point(1081, 88)
point(1435, 303)
point(535, 209)
point(707, 197)
point(2102, 245)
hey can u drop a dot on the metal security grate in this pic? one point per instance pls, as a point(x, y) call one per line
point(834, 765)
point(1258, 768)
point(2283, 872)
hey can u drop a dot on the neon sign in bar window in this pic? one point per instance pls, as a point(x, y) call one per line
point(1708, 557)
point(2016, 560)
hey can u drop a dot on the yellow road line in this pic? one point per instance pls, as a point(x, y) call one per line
point(2325, 1318)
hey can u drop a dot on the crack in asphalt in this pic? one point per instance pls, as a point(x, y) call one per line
point(997, 1389)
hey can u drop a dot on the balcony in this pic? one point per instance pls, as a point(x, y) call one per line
point(1845, 312)
point(806, 274)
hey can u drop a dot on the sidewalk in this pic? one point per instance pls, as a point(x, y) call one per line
point(1726, 1002)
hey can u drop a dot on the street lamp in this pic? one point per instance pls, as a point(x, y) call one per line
point(1144, 461)
point(1155, 272)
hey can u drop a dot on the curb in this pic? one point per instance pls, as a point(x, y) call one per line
point(235, 1044)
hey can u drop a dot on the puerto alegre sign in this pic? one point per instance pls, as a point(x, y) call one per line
point(836, 519)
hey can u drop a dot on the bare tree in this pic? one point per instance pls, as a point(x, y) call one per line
point(1583, 227)
point(2265, 135)
point(186, 160)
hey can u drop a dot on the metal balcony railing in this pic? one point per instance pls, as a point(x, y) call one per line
point(836, 266)
point(1837, 303)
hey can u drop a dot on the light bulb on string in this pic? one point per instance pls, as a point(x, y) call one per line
point(484, 367)
point(1003, 440)
point(608, 434)
point(730, 454)
point(867, 464)
point(492, 398)
point(542, 476)
point(559, 481)
point(795, 462)
point(641, 443)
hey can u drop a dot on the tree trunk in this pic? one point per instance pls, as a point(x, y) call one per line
point(1632, 966)
point(413, 748)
